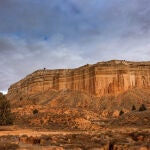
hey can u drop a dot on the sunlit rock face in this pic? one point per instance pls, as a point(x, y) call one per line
point(112, 77)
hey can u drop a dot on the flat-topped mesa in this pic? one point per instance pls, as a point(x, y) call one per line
point(112, 77)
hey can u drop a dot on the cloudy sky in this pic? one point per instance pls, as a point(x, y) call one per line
point(69, 33)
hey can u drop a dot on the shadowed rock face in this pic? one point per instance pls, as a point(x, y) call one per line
point(103, 78)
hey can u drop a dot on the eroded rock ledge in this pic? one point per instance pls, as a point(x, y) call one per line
point(112, 77)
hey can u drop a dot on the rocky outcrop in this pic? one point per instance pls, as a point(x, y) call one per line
point(112, 77)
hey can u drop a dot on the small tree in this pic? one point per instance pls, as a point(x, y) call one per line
point(142, 107)
point(5, 111)
point(35, 111)
point(121, 112)
point(133, 108)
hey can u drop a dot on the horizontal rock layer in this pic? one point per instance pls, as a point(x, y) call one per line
point(112, 77)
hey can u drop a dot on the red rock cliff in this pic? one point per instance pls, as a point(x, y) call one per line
point(110, 77)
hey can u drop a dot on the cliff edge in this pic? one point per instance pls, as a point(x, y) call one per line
point(112, 77)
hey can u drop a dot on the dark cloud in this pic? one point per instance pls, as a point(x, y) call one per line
point(69, 33)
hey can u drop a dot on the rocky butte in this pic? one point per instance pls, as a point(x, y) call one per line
point(103, 78)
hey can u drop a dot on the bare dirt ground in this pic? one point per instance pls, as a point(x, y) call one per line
point(75, 129)
point(106, 138)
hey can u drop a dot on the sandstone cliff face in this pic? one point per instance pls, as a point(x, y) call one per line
point(112, 77)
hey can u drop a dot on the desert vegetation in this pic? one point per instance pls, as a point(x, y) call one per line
point(142, 107)
point(121, 112)
point(133, 108)
point(6, 117)
point(35, 111)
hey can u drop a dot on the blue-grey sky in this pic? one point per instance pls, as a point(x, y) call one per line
point(69, 33)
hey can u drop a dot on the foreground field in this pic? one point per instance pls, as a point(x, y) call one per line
point(127, 132)
point(13, 137)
